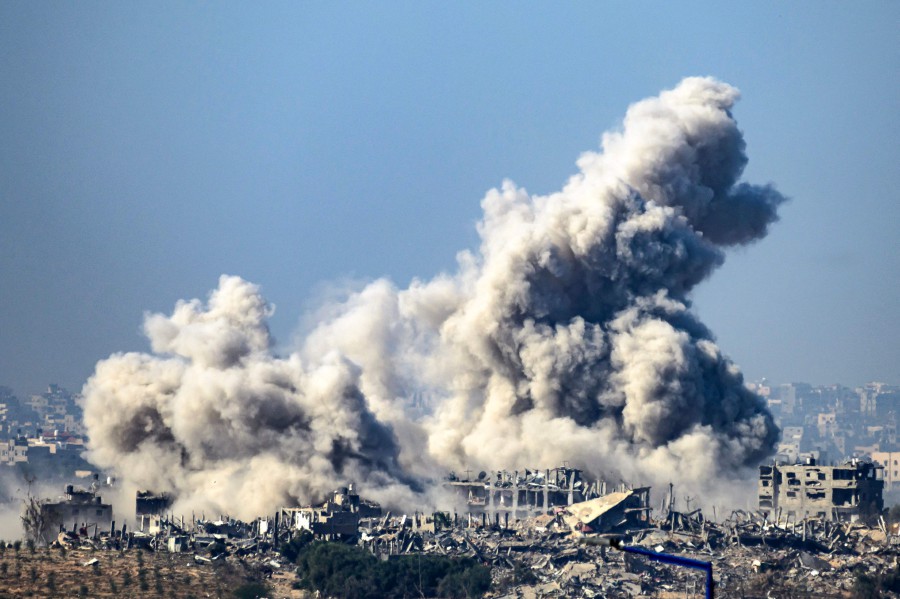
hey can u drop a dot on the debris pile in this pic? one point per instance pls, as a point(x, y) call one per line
point(545, 555)
point(554, 553)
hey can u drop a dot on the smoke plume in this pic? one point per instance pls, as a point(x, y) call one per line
point(568, 336)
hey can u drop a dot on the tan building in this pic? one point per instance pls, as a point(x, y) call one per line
point(14, 451)
point(891, 462)
point(337, 518)
point(843, 493)
point(827, 424)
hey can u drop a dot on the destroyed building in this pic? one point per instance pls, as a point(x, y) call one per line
point(337, 518)
point(80, 511)
point(563, 550)
point(149, 503)
point(610, 513)
point(843, 493)
point(524, 493)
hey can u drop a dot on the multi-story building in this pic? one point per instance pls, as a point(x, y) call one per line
point(891, 462)
point(788, 396)
point(827, 424)
point(790, 446)
point(14, 451)
point(845, 493)
point(79, 509)
point(879, 399)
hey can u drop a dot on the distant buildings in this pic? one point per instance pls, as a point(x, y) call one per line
point(879, 399)
point(42, 437)
point(830, 423)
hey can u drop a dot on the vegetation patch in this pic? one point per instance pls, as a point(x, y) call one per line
point(337, 570)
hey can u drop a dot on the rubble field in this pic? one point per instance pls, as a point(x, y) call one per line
point(534, 557)
point(751, 557)
point(607, 545)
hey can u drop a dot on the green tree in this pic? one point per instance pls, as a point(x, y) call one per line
point(349, 572)
point(298, 542)
point(472, 582)
point(252, 590)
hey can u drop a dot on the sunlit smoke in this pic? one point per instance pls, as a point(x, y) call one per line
point(567, 336)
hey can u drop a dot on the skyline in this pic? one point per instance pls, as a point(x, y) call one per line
point(148, 150)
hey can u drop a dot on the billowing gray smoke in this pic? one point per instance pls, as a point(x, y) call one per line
point(567, 336)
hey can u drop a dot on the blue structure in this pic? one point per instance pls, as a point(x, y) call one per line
point(665, 558)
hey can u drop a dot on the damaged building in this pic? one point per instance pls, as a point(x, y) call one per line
point(616, 511)
point(337, 518)
point(149, 503)
point(79, 511)
point(520, 494)
point(845, 493)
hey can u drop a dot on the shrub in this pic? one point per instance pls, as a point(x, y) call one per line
point(873, 587)
point(252, 590)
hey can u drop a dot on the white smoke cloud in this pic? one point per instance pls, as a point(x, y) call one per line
point(567, 336)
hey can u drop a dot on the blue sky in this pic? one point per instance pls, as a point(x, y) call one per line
point(146, 148)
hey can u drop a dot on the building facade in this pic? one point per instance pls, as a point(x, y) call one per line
point(891, 462)
point(843, 493)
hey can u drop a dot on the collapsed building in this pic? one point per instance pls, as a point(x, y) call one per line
point(498, 500)
point(845, 493)
point(621, 510)
point(527, 493)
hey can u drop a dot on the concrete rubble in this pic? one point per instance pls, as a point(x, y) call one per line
point(544, 554)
